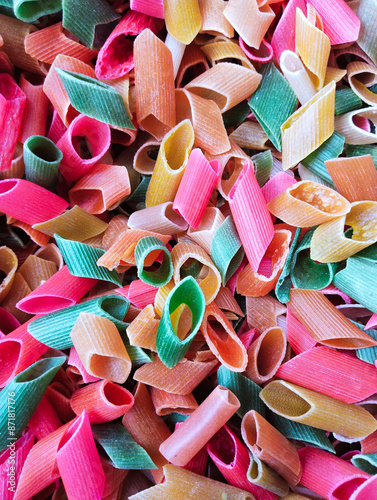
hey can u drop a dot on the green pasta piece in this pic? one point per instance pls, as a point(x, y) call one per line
point(226, 249)
point(42, 159)
point(284, 283)
point(6, 8)
point(245, 389)
point(174, 418)
point(330, 149)
point(31, 10)
point(82, 259)
point(346, 100)
point(236, 115)
point(361, 150)
point(54, 329)
point(273, 102)
point(121, 448)
point(193, 269)
point(20, 398)
point(301, 432)
point(358, 280)
point(369, 253)
point(91, 21)
point(368, 354)
point(263, 164)
point(95, 99)
point(138, 356)
point(164, 273)
point(305, 272)
point(139, 194)
point(366, 462)
point(169, 347)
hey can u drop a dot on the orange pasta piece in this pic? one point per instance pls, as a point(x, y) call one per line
point(183, 378)
point(268, 444)
point(143, 329)
point(193, 60)
point(51, 252)
point(142, 161)
point(147, 428)
point(222, 339)
point(265, 355)
point(100, 348)
point(183, 19)
point(226, 83)
point(307, 204)
point(355, 178)
point(18, 291)
point(114, 230)
point(203, 235)
point(36, 271)
point(35, 114)
point(154, 85)
point(206, 119)
point(250, 20)
point(209, 278)
point(254, 284)
point(262, 312)
point(325, 323)
point(362, 75)
point(100, 188)
point(17, 169)
point(160, 218)
point(37, 236)
point(213, 20)
point(54, 88)
point(49, 42)
point(226, 302)
point(8, 266)
point(166, 403)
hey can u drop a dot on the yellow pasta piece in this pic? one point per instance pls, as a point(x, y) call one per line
point(250, 20)
point(334, 75)
point(183, 19)
point(307, 204)
point(360, 76)
point(262, 475)
point(219, 49)
point(209, 278)
point(36, 271)
point(308, 127)
point(18, 291)
point(313, 46)
point(8, 266)
point(311, 408)
point(100, 348)
point(74, 224)
point(213, 20)
point(143, 329)
point(329, 244)
point(170, 165)
point(203, 235)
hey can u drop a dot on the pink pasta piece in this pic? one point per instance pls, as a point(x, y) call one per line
point(28, 202)
point(97, 134)
point(299, 337)
point(340, 376)
point(329, 476)
point(61, 290)
point(44, 420)
point(251, 216)
point(277, 185)
point(140, 294)
point(18, 350)
point(367, 491)
point(57, 128)
point(195, 189)
point(262, 55)
point(333, 290)
point(153, 8)
point(198, 464)
point(372, 322)
point(115, 59)
point(12, 105)
point(75, 362)
point(8, 322)
point(284, 34)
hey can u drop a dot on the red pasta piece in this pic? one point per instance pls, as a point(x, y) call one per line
point(7, 321)
point(74, 165)
point(12, 105)
point(115, 59)
point(29, 202)
point(44, 420)
point(61, 290)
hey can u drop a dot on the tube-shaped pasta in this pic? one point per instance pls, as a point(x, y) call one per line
point(312, 408)
point(195, 432)
point(250, 135)
point(297, 76)
point(170, 164)
point(218, 50)
point(348, 125)
point(166, 403)
point(264, 476)
point(35, 114)
point(262, 312)
point(143, 329)
point(213, 19)
point(203, 235)
point(183, 19)
point(270, 446)
point(101, 348)
point(8, 265)
point(160, 219)
point(360, 76)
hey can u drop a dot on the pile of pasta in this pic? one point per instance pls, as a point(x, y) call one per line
point(188, 249)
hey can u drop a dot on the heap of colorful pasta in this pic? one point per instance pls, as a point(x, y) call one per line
point(188, 198)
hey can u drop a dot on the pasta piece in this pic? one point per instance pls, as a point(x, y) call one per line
point(28, 11)
point(210, 282)
point(18, 291)
point(330, 244)
point(183, 20)
point(34, 118)
point(311, 408)
point(360, 76)
point(170, 164)
point(154, 84)
point(262, 475)
point(355, 178)
point(74, 164)
point(193, 60)
point(267, 444)
point(297, 76)
point(147, 429)
point(246, 197)
point(166, 403)
point(115, 59)
point(250, 135)
point(265, 355)
point(320, 109)
point(74, 224)
point(142, 330)
point(239, 13)
point(277, 185)
point(222, 339)
point(144, 250)
point(160, 219)
point(195, 432)
point(36, 271)
point(140, 294)
point(36, 236)
point(177, 50)
point(219, 49)
point(226, 84)
point(100, 348)
point(307, 204)
point(262, 312)
point(143, 160)
point(182, 484)
point(114, 230)
point(42, 159)
point(213, 19)
point(204, 234)
point(198, 182)
point(349, 126)
point(8, 266)
point(206, 119)
point(102, 401)
point(325, 323)
point(367, 16)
